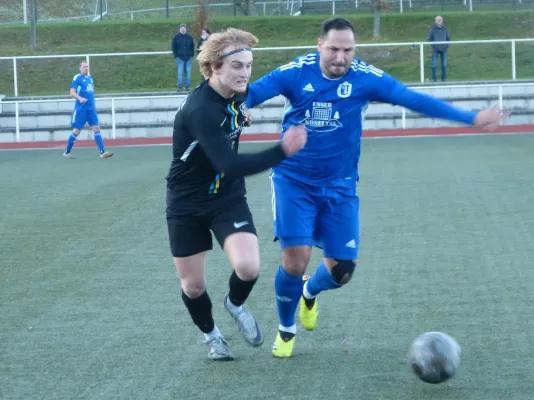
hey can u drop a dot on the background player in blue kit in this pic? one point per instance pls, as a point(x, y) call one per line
point(82, 89)
point(315, 201)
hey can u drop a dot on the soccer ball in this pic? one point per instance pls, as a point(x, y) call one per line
point(434, 357)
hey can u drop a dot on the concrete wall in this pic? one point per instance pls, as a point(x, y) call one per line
point(49, 118)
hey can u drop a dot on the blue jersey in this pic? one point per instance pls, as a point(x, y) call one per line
point(85, 88)
point(333, 113)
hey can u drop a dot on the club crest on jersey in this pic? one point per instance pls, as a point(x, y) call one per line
point(243, 109)
point(344, 90)
point(321, 118)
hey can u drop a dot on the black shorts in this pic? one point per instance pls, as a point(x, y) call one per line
point(190, 233)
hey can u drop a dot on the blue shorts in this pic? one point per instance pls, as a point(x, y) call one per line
point(80, 117)
point(325, 217)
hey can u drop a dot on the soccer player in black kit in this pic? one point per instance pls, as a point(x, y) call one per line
point(206, 186)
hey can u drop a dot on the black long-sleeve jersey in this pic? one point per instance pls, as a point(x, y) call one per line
point(206, 164)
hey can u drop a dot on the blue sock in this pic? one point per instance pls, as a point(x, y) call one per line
point(99, 141)
point(70, 143)
point(288, 290)
point(321, 281)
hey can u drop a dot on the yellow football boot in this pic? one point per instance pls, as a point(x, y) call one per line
point(308, 317)
point(283, 348)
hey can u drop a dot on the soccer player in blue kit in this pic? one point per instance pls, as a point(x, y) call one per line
point(82, 89)
point(315, 201)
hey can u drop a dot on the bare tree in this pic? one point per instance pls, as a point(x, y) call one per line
point(378, 6)
point(201, 16)
point(247, 7)
point(251, 8)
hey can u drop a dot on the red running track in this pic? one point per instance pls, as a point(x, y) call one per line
point(265, 137)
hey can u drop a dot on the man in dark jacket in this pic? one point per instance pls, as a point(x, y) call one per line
point(183, 49)
point(439, 33)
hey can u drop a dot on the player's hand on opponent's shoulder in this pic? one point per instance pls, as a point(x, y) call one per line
point(294, 139)
point(490, 118)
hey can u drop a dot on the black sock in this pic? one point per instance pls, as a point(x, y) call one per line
point(309, 302)
point(200, 311)
point(239, 289)
point(286, 336)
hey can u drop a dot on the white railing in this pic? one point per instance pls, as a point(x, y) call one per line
point(99, 99)
point(498, 97)
point(420, 45)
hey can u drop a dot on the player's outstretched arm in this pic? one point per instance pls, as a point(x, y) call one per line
point(263, 89)
point(218, 148)
point(277, 82)
point(389, 90)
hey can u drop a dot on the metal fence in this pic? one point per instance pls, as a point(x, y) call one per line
point(420, 46)
point(184, 9)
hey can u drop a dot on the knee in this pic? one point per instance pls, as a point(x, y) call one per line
point(76, 132)
point(342, 272)
point(295, 260)
point(247, 270)
point(193, 289)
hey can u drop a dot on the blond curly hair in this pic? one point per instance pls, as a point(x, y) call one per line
point(212, 49)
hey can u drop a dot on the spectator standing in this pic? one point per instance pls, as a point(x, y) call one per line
point(206, 33)
point(183, 49)
point(439, 33)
